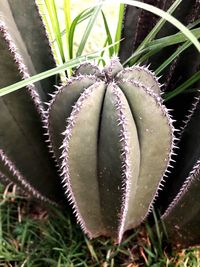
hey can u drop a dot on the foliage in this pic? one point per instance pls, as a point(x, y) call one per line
point(31, 236)
point(24, 156)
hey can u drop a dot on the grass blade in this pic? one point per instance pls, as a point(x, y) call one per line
point(119, 28)
point(67, 13)
point(81, 17)
point(88, 30)
point(102, 54)
point(184, 86)
point(52, 11)
point(148, 55)
point(154, 31)
point(109, 37)
point(43, 75)
point(158, 44)
point(178, 51)
point(172, 40)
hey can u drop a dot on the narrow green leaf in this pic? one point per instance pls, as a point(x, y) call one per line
point(156, 45)
point(109, 37)
point(184, 86)
point(157, 27)
point(119, 27)
point(48, 24)
point(43, 75)
point(52, 11)
point(88, 30)
point(194, 24)
point(148, 55)
point(173, 39)
point(67, 13)
point(102, 53)
point(82, 16)
point(178, 51)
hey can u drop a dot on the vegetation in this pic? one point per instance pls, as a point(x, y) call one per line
point(25, 156)
point(31, 235)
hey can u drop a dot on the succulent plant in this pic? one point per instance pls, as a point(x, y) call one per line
point(138, 23)
point(111, 161)
point(180, 193)
point(108, 131)
point(23, 152)
point(181, 206)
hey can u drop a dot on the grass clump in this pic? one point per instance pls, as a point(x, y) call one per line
point(32, 235)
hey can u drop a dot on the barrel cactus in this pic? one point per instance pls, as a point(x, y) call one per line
point(112, 162)
point(112, 140)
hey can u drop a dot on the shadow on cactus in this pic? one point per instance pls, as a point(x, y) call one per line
point(111, 137)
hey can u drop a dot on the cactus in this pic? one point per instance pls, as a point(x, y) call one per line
point(138, 23)
point(23, 30)
point(179, 199)
point(110, 173)
point(24, 157)
point(181, 215)
point(111, 138)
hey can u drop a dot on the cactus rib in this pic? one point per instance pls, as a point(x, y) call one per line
point(142, 75)
point(26, 29)
point(18, 60)
point(182, 216)
point(21, 126)
point(87, 69)
point(79, 148)
point(194, 173)
point(60, 108)
point(156, 161)
point(20, 179)
point(191, 112)
point(119, 159)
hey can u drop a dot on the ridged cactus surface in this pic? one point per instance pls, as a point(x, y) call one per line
point(181, 216)
point(115, 148)
point(22, 27)
point(24, 156)
point(110, 134)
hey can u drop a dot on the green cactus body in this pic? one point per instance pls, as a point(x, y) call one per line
point(117, 144)
point(20, 22)
point(24, 157)
point(181, 216)
point(110, 134)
